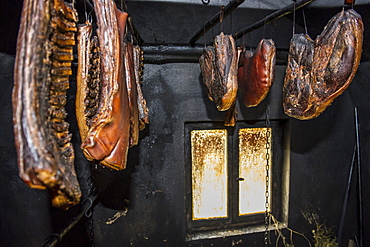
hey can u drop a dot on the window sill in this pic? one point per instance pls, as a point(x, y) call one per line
point(231, 232)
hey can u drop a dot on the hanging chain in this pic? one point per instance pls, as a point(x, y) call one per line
point(89, 214)
point(267, 181)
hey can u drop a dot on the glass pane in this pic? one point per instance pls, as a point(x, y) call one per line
point(252, 167)
point(209, 173)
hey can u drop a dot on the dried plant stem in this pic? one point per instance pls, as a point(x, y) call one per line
point(278, 225)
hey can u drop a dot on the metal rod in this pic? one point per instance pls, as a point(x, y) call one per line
point(55, 238)
point(160, 54)
point(274, 16)
point(346, 197)
point(359, 181)
point(233, 4)
point(180, 53)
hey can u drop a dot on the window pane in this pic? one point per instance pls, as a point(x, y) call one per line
point(209, 173)
point(252, 167)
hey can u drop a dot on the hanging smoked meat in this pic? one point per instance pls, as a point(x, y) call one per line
point(41, 79)
point(218, 65)
point(319, 71)
point(132, 92)
point(83, 77)
point(107, 140)
point(138, 68)
point(256, 72)
point(88, 78)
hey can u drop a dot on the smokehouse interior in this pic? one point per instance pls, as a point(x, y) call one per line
point(185, 123)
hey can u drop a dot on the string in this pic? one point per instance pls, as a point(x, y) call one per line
point(231, 21)
point(243, 39)
point(264, 22)
point(293, 18)
point(304, 21)
point(85, 10)
point(204, 37)
point(221, 18)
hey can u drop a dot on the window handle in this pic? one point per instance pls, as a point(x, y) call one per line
point(239, 179)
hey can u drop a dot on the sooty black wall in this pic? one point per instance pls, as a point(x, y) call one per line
point(145, 204)
point(154, 183)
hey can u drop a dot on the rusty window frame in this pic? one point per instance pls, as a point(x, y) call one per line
point(280, 139)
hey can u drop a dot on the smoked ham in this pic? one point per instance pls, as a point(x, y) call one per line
point(218, 65)
point(256, 72)
point(320, 70)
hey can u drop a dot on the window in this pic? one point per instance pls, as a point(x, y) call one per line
point(209, 173)
point(226, 177)
point(253, 147)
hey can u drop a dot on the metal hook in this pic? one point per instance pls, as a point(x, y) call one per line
point(88, 212)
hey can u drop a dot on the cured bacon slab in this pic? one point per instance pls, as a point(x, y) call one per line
point(256, 72)
point(219, 71)
point(84, 52)
point(41, 79)
point(107, 140)
point(319, 71)
point(141, 102)
point(88, 78)
point(132, 93)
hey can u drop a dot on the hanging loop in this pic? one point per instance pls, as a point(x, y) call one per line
point(222, 13)
point(206, 2)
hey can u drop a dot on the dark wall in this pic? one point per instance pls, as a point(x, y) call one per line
point(321, 153)
point(153, 186)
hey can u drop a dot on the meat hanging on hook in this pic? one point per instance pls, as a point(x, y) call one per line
point(320, 70)
point(41, 79)
point(88, 78)
point(141, 102)
point(219, 71)
point(107, 141)
point(113, 110)
point(256, 72)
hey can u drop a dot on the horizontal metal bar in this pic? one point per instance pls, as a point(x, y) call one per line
point(160, 54)
point(272, 17)
point(174, 53)
point(215, 20)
